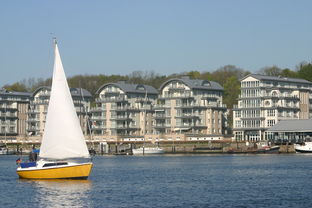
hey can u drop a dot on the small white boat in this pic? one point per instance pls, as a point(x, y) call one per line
point(3, 150)
point(304, 148)
point(148, 150)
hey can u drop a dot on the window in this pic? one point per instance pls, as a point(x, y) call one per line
point(271, 122)
point(270, 112)
point(54, 164)
point(237, 124)
point(237, 114)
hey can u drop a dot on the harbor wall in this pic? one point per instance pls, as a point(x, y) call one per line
point(169, 147)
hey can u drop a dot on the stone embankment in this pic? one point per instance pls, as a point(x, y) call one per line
point(170, 147)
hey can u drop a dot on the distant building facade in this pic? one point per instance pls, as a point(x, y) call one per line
point(124, 110)
point(39, 105)
point(190, 106)
point(13, 113)
point(291, 131)
point(182, 109)
point(265, 100)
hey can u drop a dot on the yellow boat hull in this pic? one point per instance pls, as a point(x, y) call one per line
point(80, 171)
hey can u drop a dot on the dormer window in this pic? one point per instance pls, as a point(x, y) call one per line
point(206, 83)
point(140, 87)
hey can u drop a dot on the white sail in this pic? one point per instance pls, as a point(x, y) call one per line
point(63, 137)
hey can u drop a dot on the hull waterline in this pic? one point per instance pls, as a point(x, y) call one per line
point(304, 148)
point(148, 150)
point(303, 151)
point(79, 171)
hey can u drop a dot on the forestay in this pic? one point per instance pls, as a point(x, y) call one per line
point(63, 137)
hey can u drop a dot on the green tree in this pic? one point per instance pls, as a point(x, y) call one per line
point(17, 87)
point(194, 74)
point(289, 73)
point(231, 92)
point(305, 71)
point(271, 71)
point(222, 73)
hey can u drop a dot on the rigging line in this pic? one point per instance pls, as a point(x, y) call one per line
point(87, 118)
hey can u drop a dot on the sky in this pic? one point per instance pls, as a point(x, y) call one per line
point(163, 36)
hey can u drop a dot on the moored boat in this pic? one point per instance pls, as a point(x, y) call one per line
point(304, 148)
point(263, 149)
point(148, 150)
point(268, 149)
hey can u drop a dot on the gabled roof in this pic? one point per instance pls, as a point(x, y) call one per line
point(302, 125)
point(195, 83)
point(80, 92)
point(279, 78)
point(13, 93)
point(73, 91)
point(131, 88)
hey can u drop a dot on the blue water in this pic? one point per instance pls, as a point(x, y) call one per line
point(170, 181)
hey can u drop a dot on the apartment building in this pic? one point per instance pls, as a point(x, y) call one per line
point(124, 110)
point(265, 100)
point(39, 105)
point(13, 114)
point(190, 106)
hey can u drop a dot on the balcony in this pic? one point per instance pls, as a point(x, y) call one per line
point(127, 108)
point(121, 118)
point(8, 107)
point(170, 96)
point(8, 115)
point(124, 127)
point(33, 120)
point(40, 102)
point(111, 100)
point(97, 109)
point(252, 118)
point(97, 127)
point(191, 116)
point(269, 96)
point(33, 128)
point(162, 126)
point(33, 112)
point(210, 98)
point(274, 106)
point(262, 85)
point(192, 106)
point(97, 118)
point(160, 107)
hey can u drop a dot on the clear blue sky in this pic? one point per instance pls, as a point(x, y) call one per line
point(164, 36)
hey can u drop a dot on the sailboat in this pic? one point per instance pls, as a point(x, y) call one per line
point(63, 148)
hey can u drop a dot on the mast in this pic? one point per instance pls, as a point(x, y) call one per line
point(5, 127)
point(87, 118)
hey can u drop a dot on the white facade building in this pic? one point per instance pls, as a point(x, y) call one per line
point(124, 110)
point(265, 100)
point(13, 114)
point(39, 105)
point(190, 106)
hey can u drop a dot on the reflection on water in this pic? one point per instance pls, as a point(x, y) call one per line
point(61, 193)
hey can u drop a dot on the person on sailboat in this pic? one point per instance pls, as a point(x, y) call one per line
point(33, 155)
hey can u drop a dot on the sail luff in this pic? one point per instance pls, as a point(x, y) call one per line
point(63, 137)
